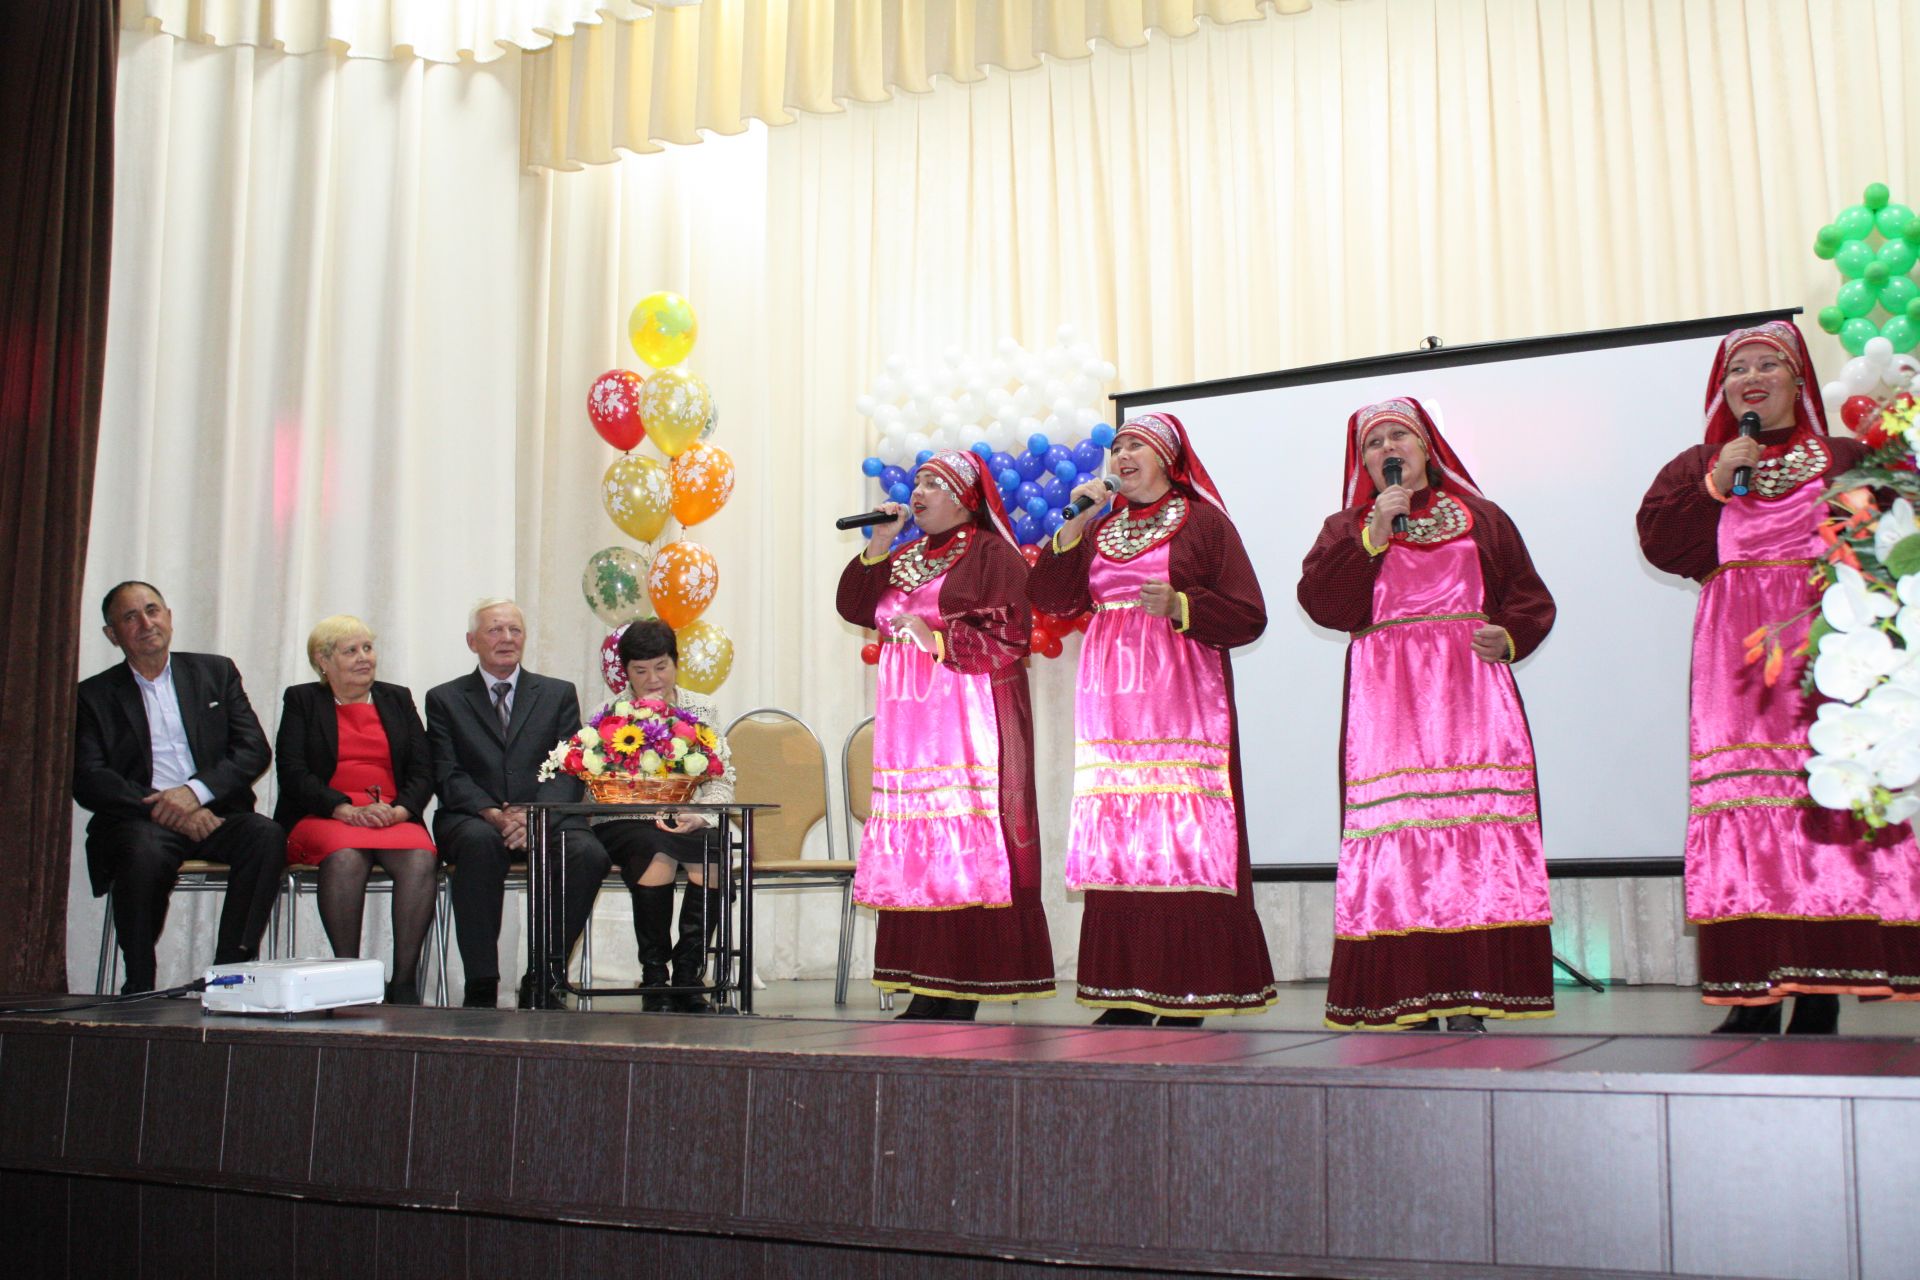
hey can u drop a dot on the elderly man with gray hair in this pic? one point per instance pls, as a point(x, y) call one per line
point(489, 732)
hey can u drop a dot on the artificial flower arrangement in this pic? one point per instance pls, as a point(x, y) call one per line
point(639, 750)
point(1863, 647)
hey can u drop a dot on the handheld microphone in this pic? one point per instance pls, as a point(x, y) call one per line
point(866, 520)
point(1086, 502)
point(1743, 476)
point(1390, 472)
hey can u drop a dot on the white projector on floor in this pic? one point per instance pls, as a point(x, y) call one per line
point(293, 986)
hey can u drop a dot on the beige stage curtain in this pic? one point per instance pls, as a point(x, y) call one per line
point(435, 30)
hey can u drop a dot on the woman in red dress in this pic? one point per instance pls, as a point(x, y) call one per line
point(354, 774)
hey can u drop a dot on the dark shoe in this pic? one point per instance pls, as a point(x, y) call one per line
point(482, 993)
point(653, 930)
point(1124, 1018)
point(524, 1000)
point(1751, 1020)
point(1425, 1024)
point(1471, 1023)
point(1168, 1020)
point(960, 1010)
point(403, 993)
point(1814, 1015)
point(922, 1008)
point(699, 921)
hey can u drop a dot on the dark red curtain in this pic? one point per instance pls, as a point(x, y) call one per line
point(56, 214)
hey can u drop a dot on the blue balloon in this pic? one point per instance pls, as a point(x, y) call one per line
point(1038, 444)
point(1009, 480)
point(1081, 479)
point(1051, 522)
point(1030, 465)
point(983, 451)
point(1067, 470)
point(900, 493)
point(891, 477)
point(1036, 507)
point(922, 459)
point(1102, 434)
point(1026, 493)
point(1057, 454)
point(872, 468)
point(1001, 461)
point(1054, 491)
point(1087, 455)
point(1025, 530)
point(906, 534)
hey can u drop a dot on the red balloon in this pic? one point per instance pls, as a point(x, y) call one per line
point(1081, 623)
point(1856, 408)
point(613, 405)
point(870, 654)
point(1046, 622)
point(1031, 553)
point(1038, 640)
point(612, 670)
point(1052, 647)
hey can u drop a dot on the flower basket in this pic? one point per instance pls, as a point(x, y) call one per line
point(612, 789)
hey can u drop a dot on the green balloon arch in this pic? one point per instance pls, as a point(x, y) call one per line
point(1875, 245)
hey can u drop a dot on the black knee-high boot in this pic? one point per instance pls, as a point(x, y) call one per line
point(699, 919)
point(653, 930)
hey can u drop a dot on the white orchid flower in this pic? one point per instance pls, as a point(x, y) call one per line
point(1896, 761)
point(1899, 704)
point(1895, 523)
point(1852, 662)
point(1841, 732)
point(1839, 784)
point(1849, 605)
point(1904, 806)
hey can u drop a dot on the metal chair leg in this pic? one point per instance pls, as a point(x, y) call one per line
point(443, 915)
point(109, 960)
point(846, 943)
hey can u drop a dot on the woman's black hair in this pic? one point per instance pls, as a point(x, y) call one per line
point(646, 640)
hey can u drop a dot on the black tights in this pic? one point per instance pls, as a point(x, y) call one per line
point(343, 902)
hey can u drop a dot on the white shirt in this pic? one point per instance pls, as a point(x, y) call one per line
point(173, 764)
point(513, 687)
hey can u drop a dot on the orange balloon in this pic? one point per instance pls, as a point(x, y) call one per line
point(702, 482)
point(682, 583)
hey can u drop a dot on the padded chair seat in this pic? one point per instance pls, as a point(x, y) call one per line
point(824, 866)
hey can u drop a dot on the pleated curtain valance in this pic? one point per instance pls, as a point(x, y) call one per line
point(604, 76)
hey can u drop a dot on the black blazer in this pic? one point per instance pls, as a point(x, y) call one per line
point(113, 753)
point(308, 749)
point(476, 766)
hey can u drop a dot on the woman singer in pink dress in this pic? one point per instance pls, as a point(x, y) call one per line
point(1788, 898)
point(1440, 909)
point(950, 858)
point(1158, 839)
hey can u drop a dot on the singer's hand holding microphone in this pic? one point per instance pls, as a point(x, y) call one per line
point(1733, 471)
point(1087, 499)
point(1391, 507)
point(884, 530)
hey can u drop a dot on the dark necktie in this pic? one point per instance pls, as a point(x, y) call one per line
point(500, 691)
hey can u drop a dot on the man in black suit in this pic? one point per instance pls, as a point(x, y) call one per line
point(490, 731)
point(166, 754)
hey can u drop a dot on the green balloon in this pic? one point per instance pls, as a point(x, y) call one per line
point(1855, 299)
point(1898, 257)
point(1855, 222)
point(1893, 220)
point(1912, 234)
point(1876, 273)
point(1897, 294)
point(1855, 334)
point(1901, 332)
point(1827, 242)
point(1831, 318)
point(1875, 196)
point(1852, 258)
point(1913, 310)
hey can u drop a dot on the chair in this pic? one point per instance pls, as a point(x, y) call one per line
point(856, 785)
point(301, 878)
point(778, 759)
point(196, 876)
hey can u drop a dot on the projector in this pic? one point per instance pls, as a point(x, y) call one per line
point(293, 986)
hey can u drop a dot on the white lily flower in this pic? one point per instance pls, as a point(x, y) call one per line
point(1852, 662)
point(1895, 523)
point(1839, 784)
point(1841, 732)
point(1848, 605)
point(1896, 762)
point(1904, 806)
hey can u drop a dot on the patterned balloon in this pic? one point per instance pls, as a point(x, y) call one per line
point(613, 406)
point(611, 668)
point(706, 656)
point(614, 584)
point(662, 329)
point(683, 582)
point(675, 404)
point(713, 423)
point(702, 482)
point(638, 495)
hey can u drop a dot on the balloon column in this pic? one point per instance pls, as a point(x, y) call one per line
point(1033, 418)
point(1874, 276)
point(674, 409)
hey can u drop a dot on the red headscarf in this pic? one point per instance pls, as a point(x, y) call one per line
point(1785, 339)
point(1168, 440)
point(963, 475)
point(1359, 483)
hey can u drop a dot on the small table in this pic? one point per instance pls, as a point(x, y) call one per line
point(547, 944)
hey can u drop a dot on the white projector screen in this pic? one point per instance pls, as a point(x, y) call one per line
point(1564, 434)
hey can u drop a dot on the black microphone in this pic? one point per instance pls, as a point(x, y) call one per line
point(865, 520)
point(1750, 430)
point(1087, 501)
point(1390, 472)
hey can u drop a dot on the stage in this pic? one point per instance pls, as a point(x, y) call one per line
point(460, 1142)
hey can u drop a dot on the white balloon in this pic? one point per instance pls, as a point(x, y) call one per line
point(887, 416)
point(914, 414)
point(886, 387)
point(998, 372)
point(950, 421)
point(1026, 399)
point(916, 443)
point(1080, 352)
point(1833, 393)
point(942, 438)
point(1053, 428)
point(1108, 371)
point(889, 451)
point(1058, 360)
point(1007, 415)
point(1878, 351)
point(865, 405)
point(1084, 390)
point(1000, 436)
point(1902, 367)
point(1027, 427)
point(896, 364)
point(1009, 346)
point(1859, 376)
point(1085, 419)
point(954, 355)
point(970, 408)
point(1064, 405)
point(1032, 371)
point(999, 397)
point(1064, 334)
point(920, 387)
point(941, 406)
point(970, 436)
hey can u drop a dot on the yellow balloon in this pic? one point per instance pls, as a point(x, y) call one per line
point(706, 656)
point(675, 406)
point(662, 329)
point(638, 494)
